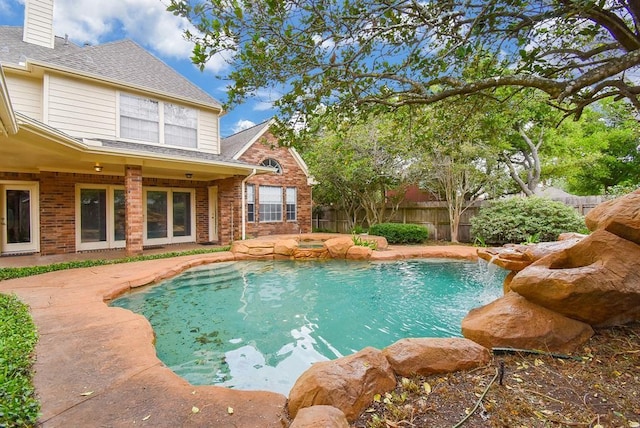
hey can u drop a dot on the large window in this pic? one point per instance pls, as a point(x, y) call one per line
point(152, 121)
point(180, 126)
point(291, 203)
point(139, 118)
point(251, 203)
point(270, 203)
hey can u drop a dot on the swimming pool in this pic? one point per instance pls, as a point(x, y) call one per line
point(259, 324)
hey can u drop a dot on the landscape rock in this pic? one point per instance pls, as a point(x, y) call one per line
point(619, 216)
point(425, 356)
point(320, 417)
point(338, 247)
point(285, 247)
point(513, 321)
point(348, 383)
point(596, 281)
point(358, 252)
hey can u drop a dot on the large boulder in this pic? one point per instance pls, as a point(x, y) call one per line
point(320, 417)
point(512, 321)
point(425, 356)
point(619, 216)
point(348, 383)
point(596, 281)
point(339, 246)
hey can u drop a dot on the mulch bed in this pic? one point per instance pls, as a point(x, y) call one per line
point(597, 387)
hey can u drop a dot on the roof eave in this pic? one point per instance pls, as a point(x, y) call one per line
point(8, 120)
point(31, 64)
point(62, 138)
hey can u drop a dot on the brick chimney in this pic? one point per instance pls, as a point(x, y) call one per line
point(38, 23)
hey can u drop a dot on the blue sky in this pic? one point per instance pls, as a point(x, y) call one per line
point(147, 23)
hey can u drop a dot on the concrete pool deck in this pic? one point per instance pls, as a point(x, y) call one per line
point(96, 365)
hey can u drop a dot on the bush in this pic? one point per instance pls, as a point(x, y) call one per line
point(397, 233)
point(518, 220)
point(18, 404)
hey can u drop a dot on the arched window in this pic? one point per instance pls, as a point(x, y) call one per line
point(273, 164)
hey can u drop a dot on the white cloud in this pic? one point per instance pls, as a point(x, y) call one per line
point(242, 124)
point(145, 21)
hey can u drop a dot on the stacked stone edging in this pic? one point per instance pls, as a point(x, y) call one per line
point(558, 291)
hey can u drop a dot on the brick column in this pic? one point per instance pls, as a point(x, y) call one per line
point(133, 214)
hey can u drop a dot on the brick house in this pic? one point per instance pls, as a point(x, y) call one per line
point(277, 203)
point(108, 147)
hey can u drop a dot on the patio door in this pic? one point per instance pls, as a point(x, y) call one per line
point(19, 227)
point(100, 217)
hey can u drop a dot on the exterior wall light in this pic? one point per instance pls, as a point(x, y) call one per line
point(97, 167)
point(188, 175)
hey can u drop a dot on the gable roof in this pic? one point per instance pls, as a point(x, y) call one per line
point(235, 145)
point(122, 61)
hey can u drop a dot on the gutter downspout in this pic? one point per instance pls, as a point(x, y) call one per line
point(244, 205)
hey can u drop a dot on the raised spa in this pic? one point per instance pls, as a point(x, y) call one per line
point(259, 324)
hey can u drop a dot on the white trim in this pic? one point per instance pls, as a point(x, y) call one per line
point(214, 233)
point(169, 239)
point(8, 121)
point(110, 241)
point(243, 201)
point(34, 207)
point(253, 140)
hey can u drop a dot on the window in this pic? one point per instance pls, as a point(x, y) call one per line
point(180, 126)
point(139, 118)
point(251, 202)
point(273, 164)
point(291, 203)
point(155, 122)
point(270, 203)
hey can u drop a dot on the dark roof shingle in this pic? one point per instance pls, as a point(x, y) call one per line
point(121, 61)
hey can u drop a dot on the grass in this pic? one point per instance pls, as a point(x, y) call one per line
point(18, 404)
point(20, 272)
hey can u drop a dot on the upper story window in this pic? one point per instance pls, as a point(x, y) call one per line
point(139, 118)
point(273, 164)
point(180, 126)
point(143, 118)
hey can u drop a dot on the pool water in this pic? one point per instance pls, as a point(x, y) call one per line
point(259, 324)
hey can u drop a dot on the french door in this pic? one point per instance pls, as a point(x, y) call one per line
point(169, 216)
point(100, 217)
point(19, 223)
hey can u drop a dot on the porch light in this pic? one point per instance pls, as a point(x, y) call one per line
point(188, 175)
point(97, 167)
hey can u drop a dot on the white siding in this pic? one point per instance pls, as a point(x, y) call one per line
point(81, 109)
point(26, 95)
point(208, 140)
point(38, 23)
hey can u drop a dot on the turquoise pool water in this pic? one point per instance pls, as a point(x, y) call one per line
point(258, 325)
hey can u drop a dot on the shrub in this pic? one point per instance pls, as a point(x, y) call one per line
point(397, 233)
point(518, 220)
point(18, 404)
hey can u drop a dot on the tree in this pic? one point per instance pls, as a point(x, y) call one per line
point(458, 154)
point(610, 140)
point(527, 125)
point(356, 164)
point(407, 52)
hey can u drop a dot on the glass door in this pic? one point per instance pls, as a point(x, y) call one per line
point(18, 218)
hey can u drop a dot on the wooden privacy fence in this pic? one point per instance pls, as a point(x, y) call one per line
point(435, 217)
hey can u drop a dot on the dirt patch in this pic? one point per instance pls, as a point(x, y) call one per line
point(598, 386)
